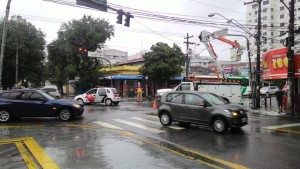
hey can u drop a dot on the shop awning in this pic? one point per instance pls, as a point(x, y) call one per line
point(128, 77)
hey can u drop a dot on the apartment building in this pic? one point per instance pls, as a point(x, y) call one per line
point(275, 21)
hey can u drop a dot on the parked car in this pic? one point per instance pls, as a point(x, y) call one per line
point(36, 103)
point(105, 95)
point(201, 108)
point(268, 90)
point(52, 91)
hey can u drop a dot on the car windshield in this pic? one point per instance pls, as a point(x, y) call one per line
point(214, 99)
point(47, 96)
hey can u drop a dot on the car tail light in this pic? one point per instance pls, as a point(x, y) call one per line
point(116, 94)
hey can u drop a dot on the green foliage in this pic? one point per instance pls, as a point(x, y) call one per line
point(64, 60)
point(163, 61)
point(30, 42)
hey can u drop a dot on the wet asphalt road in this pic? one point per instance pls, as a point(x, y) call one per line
point(139, 142)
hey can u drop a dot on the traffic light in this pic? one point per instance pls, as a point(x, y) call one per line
point(120, 16)
point(127, 19)
point(82, 50)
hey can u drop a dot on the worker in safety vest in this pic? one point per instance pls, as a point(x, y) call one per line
point(139, 91)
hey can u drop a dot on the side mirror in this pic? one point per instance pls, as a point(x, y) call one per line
point(202, 104)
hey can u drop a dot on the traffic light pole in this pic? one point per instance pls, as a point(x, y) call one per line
point(187, 60)
point(4, 39)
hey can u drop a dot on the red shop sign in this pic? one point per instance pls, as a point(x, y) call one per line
point(275, 64)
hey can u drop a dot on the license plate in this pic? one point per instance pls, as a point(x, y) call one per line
point(244, 120)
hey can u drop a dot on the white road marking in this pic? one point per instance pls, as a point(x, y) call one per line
point(157, 123)
point(282, 126)
point(139, 126)
point(106, 125)
point(153, 117)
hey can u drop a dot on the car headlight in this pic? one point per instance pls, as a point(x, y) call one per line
point(76, 106)
point(233, 113)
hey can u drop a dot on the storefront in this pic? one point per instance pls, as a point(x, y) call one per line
point(275, 67)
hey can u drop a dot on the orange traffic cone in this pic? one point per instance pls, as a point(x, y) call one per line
point(154, 104)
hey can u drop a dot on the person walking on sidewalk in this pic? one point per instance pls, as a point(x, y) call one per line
point(139, 90)
point(279, 98)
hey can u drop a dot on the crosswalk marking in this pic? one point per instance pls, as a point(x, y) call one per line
point(139, 126)
point(157, 123)
point(153, 117)
point(282, 126)
point(106, 125)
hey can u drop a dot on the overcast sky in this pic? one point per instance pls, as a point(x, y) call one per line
point(142, 33)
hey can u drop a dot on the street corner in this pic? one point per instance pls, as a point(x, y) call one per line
point(25, 152)
point(293, 128)
point(265, 112)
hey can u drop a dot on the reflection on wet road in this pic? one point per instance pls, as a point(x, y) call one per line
point(130, 136)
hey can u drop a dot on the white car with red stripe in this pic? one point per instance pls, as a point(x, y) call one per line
point(107, 95)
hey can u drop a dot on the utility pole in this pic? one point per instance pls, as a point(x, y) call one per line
point(258, 42)
point(187, 59)
point(290, 54)
point(4, 39)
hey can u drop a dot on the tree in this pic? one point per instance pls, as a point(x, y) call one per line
point(163, 62)
point(30, 43)
point(86, 32)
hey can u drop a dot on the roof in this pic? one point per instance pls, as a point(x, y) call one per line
point(133, 61)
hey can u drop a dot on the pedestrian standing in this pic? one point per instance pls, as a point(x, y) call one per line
point(139, 91)
point(279, 98)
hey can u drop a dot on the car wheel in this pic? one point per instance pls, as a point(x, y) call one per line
point(5, 116)
point(80, 100)
point(115, 103)
point(220, 125)
point(65, 114)
point(165, 119)
point(108, 102)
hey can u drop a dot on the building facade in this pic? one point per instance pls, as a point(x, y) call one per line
point(114, 56)
point(274, 21)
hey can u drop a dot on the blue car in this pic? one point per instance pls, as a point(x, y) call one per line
point(15, 104)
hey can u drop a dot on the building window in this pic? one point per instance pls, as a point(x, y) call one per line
point(265, 10)
point(272, 9)
point(298, 17)
point(255, 13)
point(265, 42)
point(298, 9)
point(255, 20)
point(281, 16)
point(281, 41)
point(281, 32)
point(265, 49)
point(272, 41)
point(281, 24)
point(266, 2)
point(265, 34)
point(249, 20)
point(272, 17)
point(272, 25)
point(265, 25)
point(254, 6)
point(249, 13)
point(272, 33)
point(281, 8)
point(265, 18)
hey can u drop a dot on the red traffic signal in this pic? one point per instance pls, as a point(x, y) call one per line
point(82, 50)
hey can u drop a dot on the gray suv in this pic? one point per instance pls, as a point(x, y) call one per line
point(201, 108)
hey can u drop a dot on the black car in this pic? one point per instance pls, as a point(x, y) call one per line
point(201, 108)
point(36, 103)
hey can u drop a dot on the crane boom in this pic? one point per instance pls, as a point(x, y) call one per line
point(205, 38)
